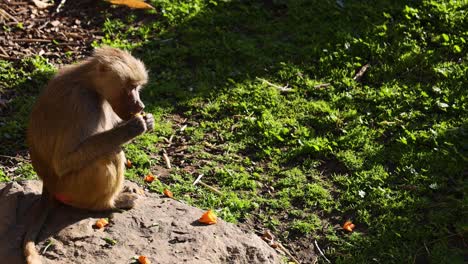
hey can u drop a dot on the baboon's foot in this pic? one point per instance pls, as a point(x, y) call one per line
point(133, 189)
point(126, 200)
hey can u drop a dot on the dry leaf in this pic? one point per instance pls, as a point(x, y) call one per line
point(128, 163)
point(143, 260)
point(42, 4)
point(208, 218)
point(55, 23)
point(131, 3)
point(168, 193)
point(101, 223)
point(267, 236)
point(149, 178)
point(348, 226)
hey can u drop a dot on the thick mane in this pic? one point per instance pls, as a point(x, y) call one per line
point(122, 62)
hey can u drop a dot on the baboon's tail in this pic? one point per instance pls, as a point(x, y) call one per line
point(43, 209)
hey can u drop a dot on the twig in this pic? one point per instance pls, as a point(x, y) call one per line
point(49, 243)
point(198, 179)
point(15, 158)
point(166, 159)
point(210, 187)
point(361, 72)
point(281, 88)
point(32, 40)
point(183, 128)
point(8, 57)
point(7, 15)
point(427, 250)
point(180, 149)
point(288, 253)
point(322, 85)
point(320, 251)
point(60, 6)
point(432, 242)
point(18, 3)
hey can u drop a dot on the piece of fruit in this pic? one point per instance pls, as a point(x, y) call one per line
point(149, 178)
point(137, 4)
point(208, 218)
point(128, 163)
point(348, 226)
point(143, 260)
point(168, 193)
point(100, 223)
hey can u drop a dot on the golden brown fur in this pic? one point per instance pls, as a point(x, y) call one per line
point(77, 127)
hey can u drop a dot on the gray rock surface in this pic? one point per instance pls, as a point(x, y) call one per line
point(162, 229)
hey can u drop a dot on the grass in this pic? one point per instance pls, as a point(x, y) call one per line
point(388, 152)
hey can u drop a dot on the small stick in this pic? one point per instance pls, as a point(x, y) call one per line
point(198, 179)
point(320, 251)
point(32, 40)
point(7, 57)
point(427, 250)
point(3, 51)
point(50, 243)
point(288, 253)
point(19, 3)
point(361, 72)
point(183, 128)
point(60, 5)
point(170, 139)
point(210, 187)
point(281, 88)
point(5, 14)
point(15, 158)
point(322, 85)
point(166, 159)
point(180, 149)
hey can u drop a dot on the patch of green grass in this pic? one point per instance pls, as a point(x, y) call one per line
point(21, 83)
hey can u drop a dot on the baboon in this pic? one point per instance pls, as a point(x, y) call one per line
point(76, 131)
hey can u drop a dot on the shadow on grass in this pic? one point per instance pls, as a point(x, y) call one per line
point(14, 119)
point(241, 40)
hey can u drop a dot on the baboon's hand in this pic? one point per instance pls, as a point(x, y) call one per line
point(136, 125)
point(149, 120)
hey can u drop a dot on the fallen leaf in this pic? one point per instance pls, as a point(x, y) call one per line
point(55, 23)
point(348, 226)
point(168, 193)
point(101, 223)
point(42, 4)
point(131, 3)
point(143, 260)
point(128, 163)
point(149, 178)
point(267, 236)
point(208, 218)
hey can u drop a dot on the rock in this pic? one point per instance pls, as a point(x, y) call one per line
point(163, 229)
